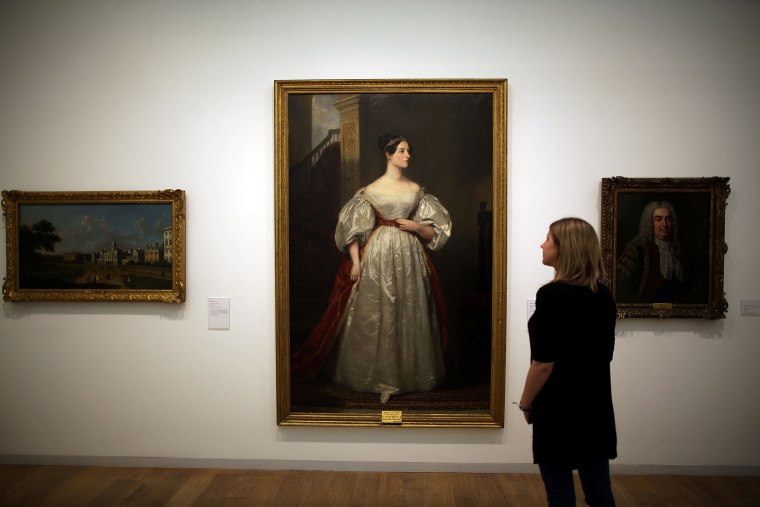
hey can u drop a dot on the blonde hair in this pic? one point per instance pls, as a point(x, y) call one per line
point(579, 254)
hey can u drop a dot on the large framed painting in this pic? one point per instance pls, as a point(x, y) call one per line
point(95, 246)
point(663, 241)
point(390, 205)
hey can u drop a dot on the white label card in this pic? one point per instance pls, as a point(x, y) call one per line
point(531, 307)
point(218, 313)
point(751, 307)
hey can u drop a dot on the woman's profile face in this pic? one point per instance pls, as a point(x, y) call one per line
point(550, 250)
point(401, 156)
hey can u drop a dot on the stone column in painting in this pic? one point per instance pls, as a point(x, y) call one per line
point(348, 106)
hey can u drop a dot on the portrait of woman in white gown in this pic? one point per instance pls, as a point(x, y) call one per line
point(383, 307)
point(385, 329)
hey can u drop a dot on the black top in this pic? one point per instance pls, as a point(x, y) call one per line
point(573, 418)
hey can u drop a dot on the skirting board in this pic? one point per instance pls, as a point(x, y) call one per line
point(358, 466)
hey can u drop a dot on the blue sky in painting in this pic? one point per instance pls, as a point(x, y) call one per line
point(90, 227)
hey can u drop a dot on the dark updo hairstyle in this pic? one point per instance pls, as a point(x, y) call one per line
point(388, 143)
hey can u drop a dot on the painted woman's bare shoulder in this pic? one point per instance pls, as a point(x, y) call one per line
point(374, 186)
point(414, 186)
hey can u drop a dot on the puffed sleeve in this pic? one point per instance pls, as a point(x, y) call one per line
point(355, 222)
point(430, 211)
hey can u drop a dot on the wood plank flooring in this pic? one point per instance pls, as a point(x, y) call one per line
point(31, 486)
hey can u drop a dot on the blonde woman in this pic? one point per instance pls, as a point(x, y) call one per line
point(567, 395)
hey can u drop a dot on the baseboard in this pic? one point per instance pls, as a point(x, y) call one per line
point(363, 466)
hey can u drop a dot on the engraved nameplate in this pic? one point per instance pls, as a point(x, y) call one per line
point(391, 416)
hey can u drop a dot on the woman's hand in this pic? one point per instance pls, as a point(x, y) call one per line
point(407, 225)
point(538, 374)
point(426, 232)
point(356, 267)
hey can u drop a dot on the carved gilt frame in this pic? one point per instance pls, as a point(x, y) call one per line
point(694, 287)
point(95, 246)
point(459, 132)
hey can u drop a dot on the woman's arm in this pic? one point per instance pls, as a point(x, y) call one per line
point(353, 251)
point(538, 373)
point(425, 232)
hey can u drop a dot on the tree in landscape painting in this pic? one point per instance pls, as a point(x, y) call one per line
point(40, 236)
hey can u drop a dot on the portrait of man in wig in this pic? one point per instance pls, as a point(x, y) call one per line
point(653, 267)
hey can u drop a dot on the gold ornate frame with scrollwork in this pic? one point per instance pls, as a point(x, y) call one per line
point(142, 261)
point(697, 235)
point(459, 132)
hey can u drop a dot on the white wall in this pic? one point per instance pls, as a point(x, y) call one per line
point(135, 95)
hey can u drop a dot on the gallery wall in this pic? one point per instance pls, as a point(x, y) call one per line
point(147, 95)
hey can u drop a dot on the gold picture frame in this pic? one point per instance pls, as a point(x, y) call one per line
point(682, 275)
point(459, 132)
point(95, 246)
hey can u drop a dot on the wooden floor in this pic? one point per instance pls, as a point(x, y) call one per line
point(31, 486)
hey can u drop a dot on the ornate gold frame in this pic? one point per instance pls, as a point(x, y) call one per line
point(13, 289)
point(702, 204)
point(412, 93)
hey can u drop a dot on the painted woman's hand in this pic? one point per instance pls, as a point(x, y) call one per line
point(425, 232)
point(353, 250)
point(407, 225)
